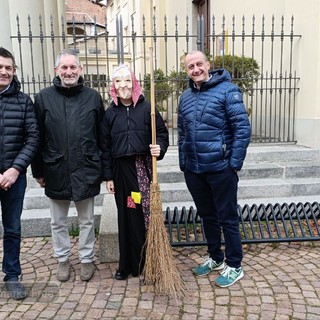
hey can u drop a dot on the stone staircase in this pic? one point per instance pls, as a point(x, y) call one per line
point(271, 174)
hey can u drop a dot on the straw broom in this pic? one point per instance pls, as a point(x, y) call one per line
point(160, 269)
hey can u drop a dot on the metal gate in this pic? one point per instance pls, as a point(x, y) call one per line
point(259, 55)
point(258, 224)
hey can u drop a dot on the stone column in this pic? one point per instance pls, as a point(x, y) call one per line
point(34, 59)
point(108, 233)
point(5, 25)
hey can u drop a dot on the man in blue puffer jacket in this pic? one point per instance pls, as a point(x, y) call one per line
point(214, 133)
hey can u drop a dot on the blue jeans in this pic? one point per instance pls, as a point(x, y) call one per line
point(11, 206)
point(215, 196)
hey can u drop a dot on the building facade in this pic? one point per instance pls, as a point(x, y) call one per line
point(284, 46)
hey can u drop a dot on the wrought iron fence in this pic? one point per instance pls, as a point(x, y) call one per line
point(259, 55)
point(258, 224)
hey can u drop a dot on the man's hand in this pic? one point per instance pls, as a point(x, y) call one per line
point(8, 178)
point(1, 182)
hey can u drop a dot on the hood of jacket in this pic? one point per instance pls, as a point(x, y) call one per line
point(141, 98)
point(216, 76)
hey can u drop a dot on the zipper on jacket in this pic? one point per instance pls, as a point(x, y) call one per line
point(1, 135)
point(128, 122)
point(224, 149)
point(68, 144)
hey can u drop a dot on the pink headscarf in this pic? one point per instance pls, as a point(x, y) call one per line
point(136, 89)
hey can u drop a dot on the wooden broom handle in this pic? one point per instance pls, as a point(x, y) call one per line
point(153, 118)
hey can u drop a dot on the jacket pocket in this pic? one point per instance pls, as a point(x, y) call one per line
point(92, 168)
point(52, 158)
point(55, 172)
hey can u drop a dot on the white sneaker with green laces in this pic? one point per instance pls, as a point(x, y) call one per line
point(208, 266)
point(229, 276)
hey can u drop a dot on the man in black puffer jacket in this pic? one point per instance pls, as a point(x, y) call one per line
point(19, 139)
point(68, 163)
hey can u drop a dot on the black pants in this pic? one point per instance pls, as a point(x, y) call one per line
point(132, 232)
point(215, 196)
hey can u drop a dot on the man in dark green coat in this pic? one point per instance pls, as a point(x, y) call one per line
point(68, 163)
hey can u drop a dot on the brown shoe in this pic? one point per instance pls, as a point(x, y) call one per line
point(63, 272)
point(87, 271)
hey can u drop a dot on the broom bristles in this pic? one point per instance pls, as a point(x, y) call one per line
point(160, 269)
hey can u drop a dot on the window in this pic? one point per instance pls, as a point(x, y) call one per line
point(94, 50)
point(99, 80)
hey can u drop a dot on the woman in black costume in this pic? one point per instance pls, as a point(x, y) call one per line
point(127, 169)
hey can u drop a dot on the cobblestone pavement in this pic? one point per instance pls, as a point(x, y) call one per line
point(281, 282)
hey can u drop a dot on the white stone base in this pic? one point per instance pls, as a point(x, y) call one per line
point(108, 233)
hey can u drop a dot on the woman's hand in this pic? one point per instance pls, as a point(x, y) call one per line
point(155, 150)
point(41, 182)
point(110, 186)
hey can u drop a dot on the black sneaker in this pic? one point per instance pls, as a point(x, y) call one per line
point(16, 290)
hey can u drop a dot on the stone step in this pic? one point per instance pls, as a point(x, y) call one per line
point(254, 170)
point(261, 162)
point(271, 174)
point(36, 222)
point(267, 188)
point(274, 188)
point(178, 192)
point(250, 202)
point(259, 153)
point(250, 170)
point(36, 199)
point(281, 153)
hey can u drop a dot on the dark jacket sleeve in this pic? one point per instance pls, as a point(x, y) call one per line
point(37, 165)
point(31, 142)
point(162, 135)
point(101, 112)
point(105, 146)
point(181, 136)
point(240, 127)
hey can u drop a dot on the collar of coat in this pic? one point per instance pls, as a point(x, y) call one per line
point(13, 88)
point(68, 91)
